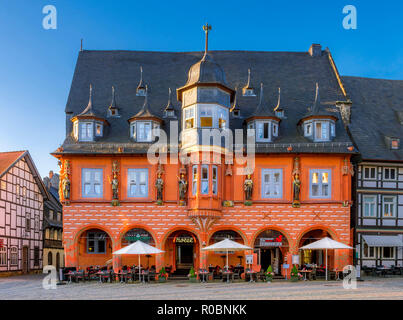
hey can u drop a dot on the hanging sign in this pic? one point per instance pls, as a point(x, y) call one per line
point(249, 258)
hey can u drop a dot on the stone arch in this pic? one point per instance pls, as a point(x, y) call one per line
point(329, 230)
point(271, 227)
point(179, 228)
point(124, 230)
point(227, 227)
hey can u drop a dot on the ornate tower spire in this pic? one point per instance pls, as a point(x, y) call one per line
point(141, 89)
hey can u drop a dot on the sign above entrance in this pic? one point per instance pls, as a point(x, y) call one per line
point(138, 234)
point(184, 239)
point(271, 242)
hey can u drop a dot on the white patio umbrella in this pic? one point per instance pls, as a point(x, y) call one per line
point(325, 244)
point(227, 245)
point(139, 248)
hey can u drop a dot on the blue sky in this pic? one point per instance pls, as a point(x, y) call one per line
point(37, 65)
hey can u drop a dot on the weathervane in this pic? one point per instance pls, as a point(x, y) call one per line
point(206, 29)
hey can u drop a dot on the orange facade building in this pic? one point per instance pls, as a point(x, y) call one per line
point(301, 177)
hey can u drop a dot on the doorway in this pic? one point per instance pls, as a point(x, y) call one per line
point(265, 258)
point(25, 259)
point(184, 256)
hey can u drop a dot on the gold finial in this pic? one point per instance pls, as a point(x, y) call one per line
point(206, 29)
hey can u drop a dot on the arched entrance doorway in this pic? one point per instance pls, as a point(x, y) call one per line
point(94, 248)
point(313, 257)
point(181, 252)
point(131, 236)
point(235, 258)
point(271, 246)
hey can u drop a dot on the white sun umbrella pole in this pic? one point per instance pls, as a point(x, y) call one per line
point(227, 245)
point(325, 244)
point(139, 248)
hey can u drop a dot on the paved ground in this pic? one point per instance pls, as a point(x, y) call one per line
point(30, 287)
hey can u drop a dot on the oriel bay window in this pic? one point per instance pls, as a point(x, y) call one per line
point(92, 183)
point(137, 186)
point(206, 117)
point(189, 118)
point(272, 183)
point(206, 179)
point(320, 184)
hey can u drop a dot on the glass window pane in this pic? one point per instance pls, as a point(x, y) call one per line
point(315, 177)
point(204, 187)
point(315, 190)
point(325, 177)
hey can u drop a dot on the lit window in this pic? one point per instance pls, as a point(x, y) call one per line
point(194, 180)
point(272, 183)
point(204, 179)
point(92, 183)
point(206, 117)
point(98, 129)
point(214, 180)
point(138, 183)
point(86, 131)
point(389, 206)
point(189, 118)
point(320, 184)
point(389, 173)
point(369, 206)
point(222, 118)
point(369, 173)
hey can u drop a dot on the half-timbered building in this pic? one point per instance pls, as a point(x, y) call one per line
point(377, 129)
point(22, 195)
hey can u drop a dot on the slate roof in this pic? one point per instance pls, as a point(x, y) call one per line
point(295, 72)
point(376, 105)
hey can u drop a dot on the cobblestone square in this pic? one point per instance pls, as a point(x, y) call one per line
point(30, 287)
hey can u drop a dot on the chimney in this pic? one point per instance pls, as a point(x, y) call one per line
point(315, 50)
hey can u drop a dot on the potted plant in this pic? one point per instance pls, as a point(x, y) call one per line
point(192, 275)
point(162, 275)
point(269, 274)
point(295, 275)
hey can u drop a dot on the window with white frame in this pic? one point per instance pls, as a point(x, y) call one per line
point(320, 183)
point(206, 117)
point(214, 179)
point(189, 118)
point(321, 130)
point(98, 129)
point(96, 242)
point(262, 131)
point(368, 252)
point(138, 183)
point(86, 131)
point(14, 256)
point(308, 129)
point(369, 173)
point(92, 183)
point(275, 129)
point(389, 173)
point(3, 256)
point(143, 131)
point(222, 118)
point(388, 252)
point(369, 206)
point(194, 179)
point(204, 179)
point(272, 183)
point(389, 206)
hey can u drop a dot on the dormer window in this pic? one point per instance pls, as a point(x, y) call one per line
point(236, 113)
point(141, 131)
point(248, 92)
point(86, 131)
point(98, 129)
point(113, 113)
point(169, 113)
point(395, 143)
point(141, 92)
point(319, 130)
point(279, 113)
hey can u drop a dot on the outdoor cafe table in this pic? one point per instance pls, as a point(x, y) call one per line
point(252, 274)
point(228, 273)
point(203, 273)
point(103, 274)
point(71, 274)
point(305, 272)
